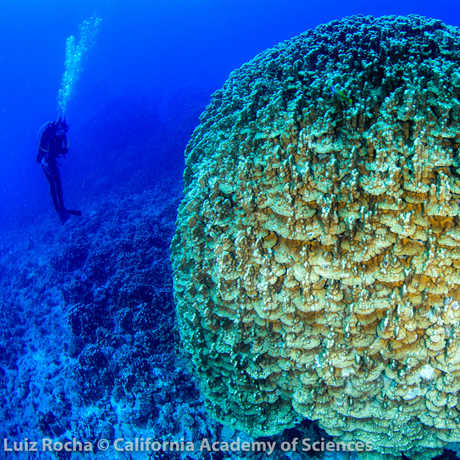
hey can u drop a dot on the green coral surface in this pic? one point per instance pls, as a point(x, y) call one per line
point(317, 251)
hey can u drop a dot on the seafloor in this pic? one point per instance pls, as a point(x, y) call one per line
point(88, 346)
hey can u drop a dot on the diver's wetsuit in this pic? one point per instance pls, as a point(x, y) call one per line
point(53, 143)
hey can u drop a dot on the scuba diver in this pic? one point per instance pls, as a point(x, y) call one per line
point(53, 143)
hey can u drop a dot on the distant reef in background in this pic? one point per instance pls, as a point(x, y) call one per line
point(88, 345)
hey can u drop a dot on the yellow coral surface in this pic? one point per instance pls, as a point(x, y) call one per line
point(317, 253)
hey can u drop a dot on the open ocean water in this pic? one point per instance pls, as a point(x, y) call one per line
point(115, 344)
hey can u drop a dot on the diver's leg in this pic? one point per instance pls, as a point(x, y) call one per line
point(57, 181)
point(61, 199)
point(53, 193)
point(54, 179)
point(52, 174)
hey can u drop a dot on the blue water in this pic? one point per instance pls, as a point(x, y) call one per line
point(86, 309)
point(145, 81)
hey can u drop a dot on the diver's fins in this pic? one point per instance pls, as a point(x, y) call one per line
point(66, 213)
point(73, 212)
point(64, 216)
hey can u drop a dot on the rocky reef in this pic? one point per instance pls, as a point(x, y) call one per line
point(87, 337)
point(88, 342)
point(317, 253)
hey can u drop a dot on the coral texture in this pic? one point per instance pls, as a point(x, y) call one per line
point(316, 257)
point(87, 339)
point(87, 336)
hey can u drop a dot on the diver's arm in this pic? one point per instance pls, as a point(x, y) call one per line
point(64, 147)
point(43, 148)
point(41, 154)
